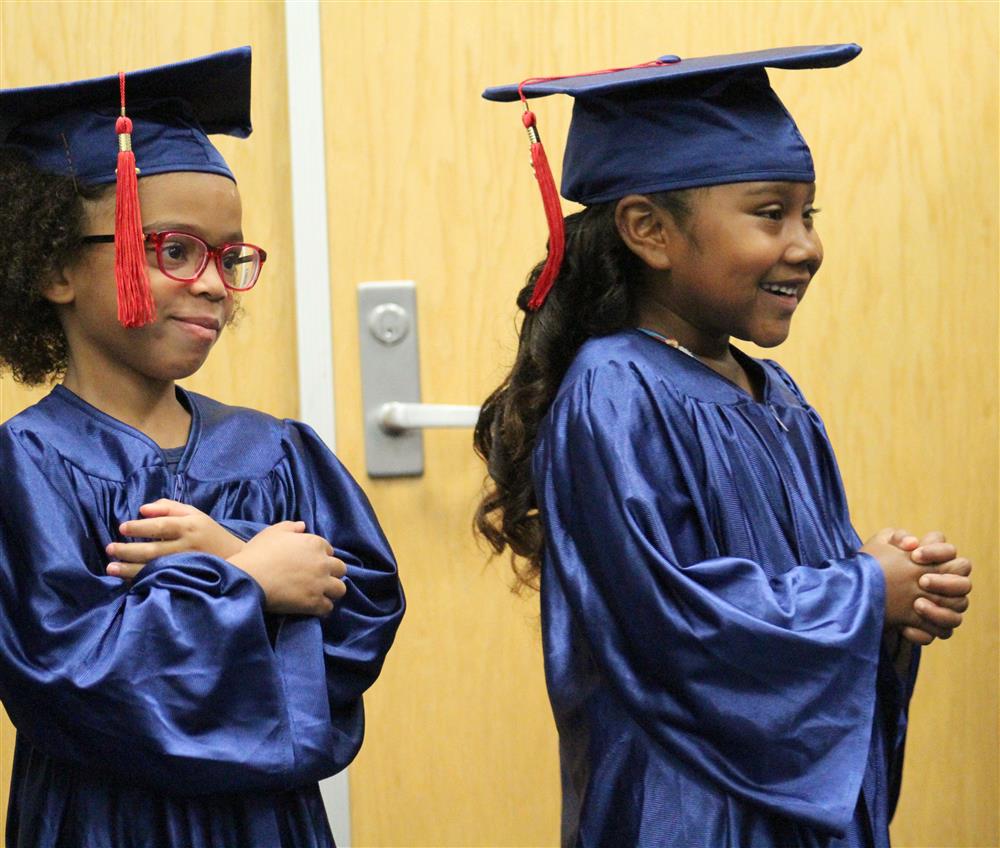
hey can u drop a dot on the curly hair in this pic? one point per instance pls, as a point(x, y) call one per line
point(595, 294)
point(41, 224)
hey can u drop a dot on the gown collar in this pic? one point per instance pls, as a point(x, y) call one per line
point(187, 399)
point(698, 380)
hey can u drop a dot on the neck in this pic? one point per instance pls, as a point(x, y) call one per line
point(707, 346)
point(149, 406)
point(712, 348)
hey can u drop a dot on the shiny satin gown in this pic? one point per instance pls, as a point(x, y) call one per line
point(175, 711)
point(713, 640)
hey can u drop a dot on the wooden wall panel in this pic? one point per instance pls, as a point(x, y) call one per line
point(896, 345)
point(254, 363)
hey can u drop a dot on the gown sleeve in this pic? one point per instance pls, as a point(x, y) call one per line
point(170, 683)
point(357, 635)
point(764, 685)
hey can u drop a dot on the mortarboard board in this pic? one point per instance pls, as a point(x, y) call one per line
point(65, 128)
point(70, 128)
point(670, 124)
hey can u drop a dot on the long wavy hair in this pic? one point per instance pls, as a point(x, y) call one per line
point(595, 294)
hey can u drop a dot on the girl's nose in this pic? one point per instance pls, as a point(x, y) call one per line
point(805, 248)
point(209, 283)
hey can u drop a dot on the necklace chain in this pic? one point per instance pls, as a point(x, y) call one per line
point(666, 340)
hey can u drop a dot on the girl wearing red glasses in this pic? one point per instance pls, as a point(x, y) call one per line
point(193, 597)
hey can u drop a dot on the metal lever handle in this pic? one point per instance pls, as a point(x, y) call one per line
point(395, 417)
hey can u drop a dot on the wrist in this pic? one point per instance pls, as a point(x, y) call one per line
point(247, 565)
point(230, 546)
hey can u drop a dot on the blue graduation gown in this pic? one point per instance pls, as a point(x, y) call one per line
point(175, 711)
point(712, 636)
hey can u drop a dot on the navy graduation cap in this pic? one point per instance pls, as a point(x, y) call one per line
point(162, 118)
point(669, 124)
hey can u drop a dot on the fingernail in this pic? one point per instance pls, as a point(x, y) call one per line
point(114, 569)
point(110, 549)
point(925, 582)
point(918, 555)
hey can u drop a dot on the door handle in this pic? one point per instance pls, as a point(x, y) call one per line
point(396, 417)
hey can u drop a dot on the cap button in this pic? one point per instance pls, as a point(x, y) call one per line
point(669, 59)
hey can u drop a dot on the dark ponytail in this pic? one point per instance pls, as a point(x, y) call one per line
point(595, 294)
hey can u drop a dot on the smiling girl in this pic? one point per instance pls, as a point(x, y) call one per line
point(727, 663)
point(193, 597)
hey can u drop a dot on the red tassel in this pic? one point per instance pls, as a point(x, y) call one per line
point(547, 185)
point(135, 300)
point(553, 215)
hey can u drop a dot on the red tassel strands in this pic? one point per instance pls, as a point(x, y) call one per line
point(547, 186)
point(135, 300)
point(553, 214)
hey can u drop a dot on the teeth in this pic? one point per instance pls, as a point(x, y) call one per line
point(786, 290)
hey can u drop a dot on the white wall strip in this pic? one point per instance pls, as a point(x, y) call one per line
point(312, 274)
point(312, 265)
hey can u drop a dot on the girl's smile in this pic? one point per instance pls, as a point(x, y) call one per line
point(190, 315)
point(738, 267)
point(204, 327)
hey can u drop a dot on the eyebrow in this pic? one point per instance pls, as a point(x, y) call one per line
point(160, 226)
point(769, 188)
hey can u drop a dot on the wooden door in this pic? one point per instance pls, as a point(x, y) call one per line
point(897, 346)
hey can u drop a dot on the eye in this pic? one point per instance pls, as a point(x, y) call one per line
point(232, 257)
point(771, 213)
point(175, 251)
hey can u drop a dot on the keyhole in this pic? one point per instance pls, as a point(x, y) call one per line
point(389, 323)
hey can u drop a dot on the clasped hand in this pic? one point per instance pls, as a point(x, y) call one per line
point(297, 570)
point(926, 584)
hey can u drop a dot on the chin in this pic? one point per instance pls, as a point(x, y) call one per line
point(766, 339)
point(179, 370)
point(770, 341)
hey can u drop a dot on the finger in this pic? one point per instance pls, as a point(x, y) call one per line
point(933, 537)
point(124, 570)
point(139, 551)
point(152, 528)
point(915, 636)
point(959, 565)
point(289, 526)
point(322, 544)
point(937, 615)
point(959, 604)
point(164, 506)
point(949, 585)
point(338, 568)
point(933, 553)
point(335, 589)
point(903, 539)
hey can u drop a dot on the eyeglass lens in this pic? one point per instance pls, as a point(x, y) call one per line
point(184, 257)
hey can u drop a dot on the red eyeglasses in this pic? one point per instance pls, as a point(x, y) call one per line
point(184, 257)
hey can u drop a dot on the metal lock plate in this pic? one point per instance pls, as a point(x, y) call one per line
point(390, 371)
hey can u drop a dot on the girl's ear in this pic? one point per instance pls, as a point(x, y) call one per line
point(646, 229)
point(59, 287)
